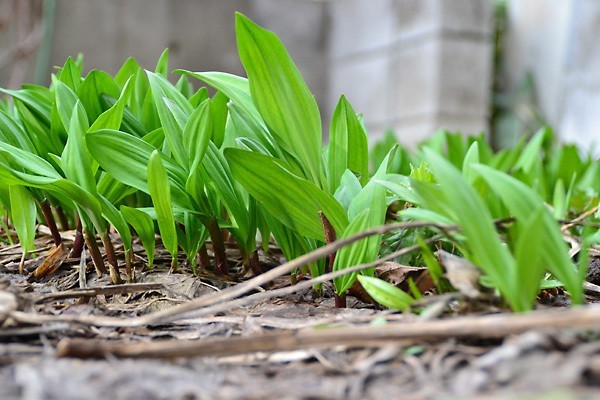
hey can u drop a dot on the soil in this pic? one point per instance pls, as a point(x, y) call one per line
point(58, 340)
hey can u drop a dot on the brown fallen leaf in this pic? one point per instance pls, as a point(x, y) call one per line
point(398, 274)
point(461, 273)
point(54, 259)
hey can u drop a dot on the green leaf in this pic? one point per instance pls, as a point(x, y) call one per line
point(362, 251)
point(70, 74)
point(522, 202)
point(143, 224)
point(129, 69)
point(75, 159)
point(348, 147)
point(528, 252)
point(23, 216)
point(469, 211)
point(158, 183)
point(217, 170)
point(66, 100)
point(236, 88)
point(219, 112)
point(281, 95)
point(294, 201)
point(111, 118)
point(94, 86)
point(12, 133)
point(162, 65)
point(385, 293)
point(173, 111)
point(197, 133)
point(472, 157)
point(126, 158)
point(531, 153)
point(348, 189)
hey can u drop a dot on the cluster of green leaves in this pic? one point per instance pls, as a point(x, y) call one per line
point(463, 182)
point(135, 151)
point(128, 150)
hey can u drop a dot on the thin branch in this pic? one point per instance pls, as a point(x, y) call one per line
point(399, 333)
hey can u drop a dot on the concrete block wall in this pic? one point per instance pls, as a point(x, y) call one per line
point(413, 65)
point(410, 65)
point(557, 43)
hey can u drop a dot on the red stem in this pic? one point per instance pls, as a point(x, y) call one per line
point(51, 222)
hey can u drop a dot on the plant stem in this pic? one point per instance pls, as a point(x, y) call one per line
point(78, 242)
point(51, 222)
point(113, 266)
point(294, 277)
point(255, 263)
point(329, 238)
point(128, 267)
point(90, 242)
point(218, 246)
point(340, 301)
point(62, 218)
point(203, 258)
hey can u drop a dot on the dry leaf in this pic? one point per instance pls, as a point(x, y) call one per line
point(54, 259)
point(398, 274)
point(461, 273)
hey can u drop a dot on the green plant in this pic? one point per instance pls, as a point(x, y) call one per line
point(128, 150)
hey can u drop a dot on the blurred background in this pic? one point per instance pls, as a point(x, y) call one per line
point(503, 67)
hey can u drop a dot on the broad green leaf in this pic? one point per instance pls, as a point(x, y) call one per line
point(171, 115)
point(197, 133)
point(111, 118)
point(471, 157)
point(385, 293)
point(129, 70)
point(217, 170)
point(294, 201)
point(37, 99)
point(199, 97)
point(162, 66)
point(531, 153)
point(184, 86)
point(29, 161)
point(75, 159)
point(143, 224)
point(423, 214)
point(281, 95)
point(66, 100)
point(559, 200)
point(399, 187)
point(23, 216)
point(485, 249)
point(158, 183)
point(219, 112)
point(528, 253)
point(70, 74)
point(12, 133)
point(126, 158)
point(38, 132)
point(348, 147)
point(236, 88)
point(113, 190)
point(348, 189)
point(90, 92)
point(362, 251)
point(523, 201)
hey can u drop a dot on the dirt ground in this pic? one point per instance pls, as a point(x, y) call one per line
point(59, 341)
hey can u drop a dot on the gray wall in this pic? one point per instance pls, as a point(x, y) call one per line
point(558, 43)
point(411, 65)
